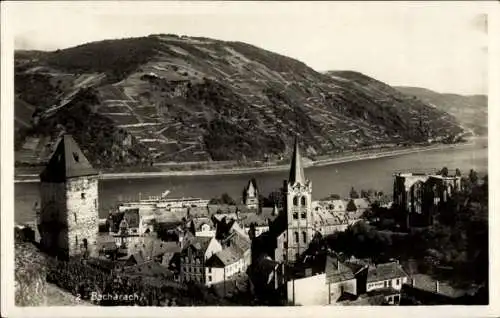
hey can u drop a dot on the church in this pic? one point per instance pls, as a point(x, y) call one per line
point(291, 232)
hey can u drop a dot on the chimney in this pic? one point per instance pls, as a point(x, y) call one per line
point(437, 286)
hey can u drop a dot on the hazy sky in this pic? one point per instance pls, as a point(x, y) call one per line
point(438, 46)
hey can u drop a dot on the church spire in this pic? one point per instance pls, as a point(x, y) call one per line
point(296, 170)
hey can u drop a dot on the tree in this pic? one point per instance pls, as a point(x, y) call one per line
point(226, 199)
point(276, 197)
point(473, 178)
point(351, 206)
point(353, 194)
point(444, 172)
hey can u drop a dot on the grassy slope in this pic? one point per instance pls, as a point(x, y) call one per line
point(31, 289)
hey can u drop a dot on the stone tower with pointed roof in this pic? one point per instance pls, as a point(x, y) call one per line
point(68, 219)
point(297, 196)
point(251, 196)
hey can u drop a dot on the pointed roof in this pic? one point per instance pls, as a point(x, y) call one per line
point(251, 188)
point(68, 161)
point(275, 210)
point(296, 169)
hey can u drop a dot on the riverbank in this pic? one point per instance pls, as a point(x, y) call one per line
point(33, 178)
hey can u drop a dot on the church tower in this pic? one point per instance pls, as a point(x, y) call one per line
point(251, 196)
point(68, 219)
point(297, 195)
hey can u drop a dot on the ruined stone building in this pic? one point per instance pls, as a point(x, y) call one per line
point(68, 218)
point(419, 193)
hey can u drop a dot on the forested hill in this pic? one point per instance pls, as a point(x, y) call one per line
point(167, 98)
point(471, 110)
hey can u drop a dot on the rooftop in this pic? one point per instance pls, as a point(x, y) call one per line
point(385, 271)
point(224, 258)
point(336, 271)
point(67, 161)
point(200, 242)
point(427, 283)
point(131, 216)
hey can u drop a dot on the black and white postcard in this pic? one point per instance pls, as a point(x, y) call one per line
point(248, 158)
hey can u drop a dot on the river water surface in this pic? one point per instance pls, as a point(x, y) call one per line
point(336, 178)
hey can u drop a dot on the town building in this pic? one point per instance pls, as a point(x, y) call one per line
point(292, 229)
point(194, 256)
point(224, 265)
point(386, 275)
point(68, 219)
point(251, 195)
point(202, 226)
point(422, 289)
point(329, 287)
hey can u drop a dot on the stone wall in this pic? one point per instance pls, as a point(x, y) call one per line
point(82, 213)
point(52, 213)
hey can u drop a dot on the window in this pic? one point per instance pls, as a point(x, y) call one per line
point(76, 157)
point(303, 201)
point(303, 215)
point(85, 243)
point(397, 282)
point(396, 299)
point(210, 269)
point(83, 195)
point(390, 283)
point(385, 283)
point(209, 278)
point(304, 237)
point(295, 215)
point(295, 201)
point(76, 240)
point(95, 203)
point(296, 234)
point(74, 214)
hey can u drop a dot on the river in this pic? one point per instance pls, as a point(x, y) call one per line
point(336, 178)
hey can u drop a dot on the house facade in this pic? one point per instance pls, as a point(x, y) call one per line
point(194, 256)
point(224, 265)
point(327, 288)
